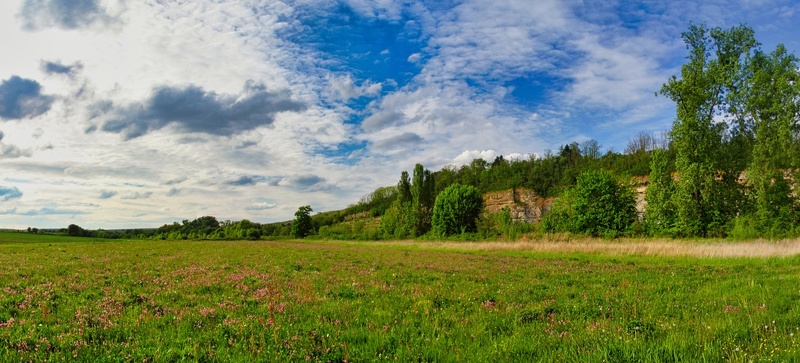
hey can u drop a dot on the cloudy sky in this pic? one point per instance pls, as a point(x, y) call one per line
point(136, 113)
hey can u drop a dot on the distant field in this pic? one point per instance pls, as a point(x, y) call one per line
point(144, 301)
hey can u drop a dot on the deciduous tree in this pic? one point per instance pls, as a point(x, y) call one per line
point(302, 224)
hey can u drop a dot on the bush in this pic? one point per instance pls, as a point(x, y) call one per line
point(597, 205)
point(456, 210)
point(602, 206)
point(560, 216)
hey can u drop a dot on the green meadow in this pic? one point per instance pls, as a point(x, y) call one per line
point(65, 300)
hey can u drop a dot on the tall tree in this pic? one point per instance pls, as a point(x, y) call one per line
point(709, 81)
point(399, 220)
point(771, 111)
point(302, 225)
point(423, 190)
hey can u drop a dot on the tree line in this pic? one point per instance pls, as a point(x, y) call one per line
point(726, 168)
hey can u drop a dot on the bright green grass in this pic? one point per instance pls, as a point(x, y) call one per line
point(148, 301)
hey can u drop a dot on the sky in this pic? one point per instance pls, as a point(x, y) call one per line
point(136, 113)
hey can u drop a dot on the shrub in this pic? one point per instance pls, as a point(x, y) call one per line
point(456, 210)
point(602, 206)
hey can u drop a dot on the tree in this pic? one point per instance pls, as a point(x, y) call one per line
point(640, 144)
point(456, 210)
point(75, 230)
point(771, 110)
point(591, 149)
point(302, 225)
point(398, 220)
point(423, 189)
point(706, 90)
point(601, 205)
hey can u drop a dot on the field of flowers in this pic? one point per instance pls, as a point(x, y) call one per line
point(146, 301)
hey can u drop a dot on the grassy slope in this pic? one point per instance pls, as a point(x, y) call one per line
point(289, 301)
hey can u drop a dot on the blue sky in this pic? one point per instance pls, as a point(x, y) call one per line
point(121, 113)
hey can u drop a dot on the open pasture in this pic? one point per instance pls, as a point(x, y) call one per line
point(153, 301)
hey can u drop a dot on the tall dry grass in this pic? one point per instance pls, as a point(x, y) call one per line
point(630, 247)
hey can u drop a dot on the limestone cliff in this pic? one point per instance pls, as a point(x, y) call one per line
point(524, 204)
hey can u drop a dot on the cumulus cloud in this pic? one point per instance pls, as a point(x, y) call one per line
point(381, 120)
point(106, 194)
point(468, 156)
point(303, 182)
point(193, 109)
point(405, 140)
point(245, 180)
point(8, 193)
point(137, 195)
point(55, 67)
point(64, 14)
point(22, 98)
point(8, 151)
point(261, 206)
point(175, 181)
point(344, 87)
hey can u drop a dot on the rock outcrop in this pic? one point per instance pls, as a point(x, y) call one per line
point(524, 204)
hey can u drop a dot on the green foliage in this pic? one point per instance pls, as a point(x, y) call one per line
point(75, 230)
point(456, 210)
point(598, 205)
point(398, 220)
point(423, 194)
point(758, 94)
point(561, 215)
point(241, 230)
point(660, 213)
point(302, 225)
point(410, 213)
point(601, 205)
point(772, 104)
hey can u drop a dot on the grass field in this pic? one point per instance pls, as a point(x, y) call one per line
point(146, 301)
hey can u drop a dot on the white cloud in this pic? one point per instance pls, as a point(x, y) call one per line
point(261, 206)
point(344, 87)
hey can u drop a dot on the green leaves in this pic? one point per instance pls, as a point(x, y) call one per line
point(302, 226)
point(601, 205)
point(456, 210)
point(737, 107)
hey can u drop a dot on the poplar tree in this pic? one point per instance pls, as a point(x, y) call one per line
point(771, 109)
point(704, 94)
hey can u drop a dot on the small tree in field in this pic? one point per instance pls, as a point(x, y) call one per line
point(302, 226)
point(456, 210)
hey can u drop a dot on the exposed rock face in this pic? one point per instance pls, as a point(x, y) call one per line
point(639, 186)
point(524, 204)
